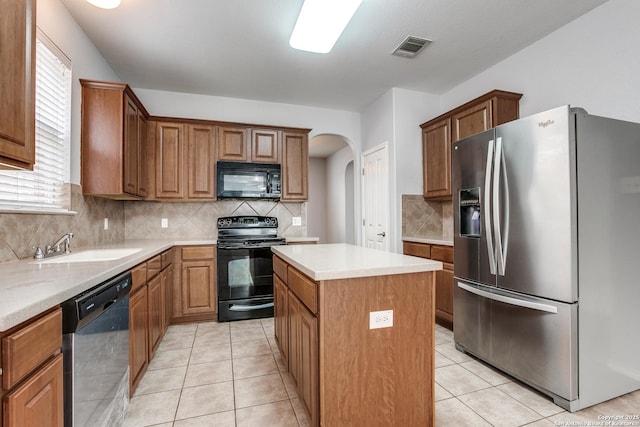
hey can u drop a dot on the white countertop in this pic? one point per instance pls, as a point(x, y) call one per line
point(298, 239)
point(28, 288)
point(428, 240)
point(343, 261)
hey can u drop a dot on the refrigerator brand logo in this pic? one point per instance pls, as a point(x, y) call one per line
point(546, 123)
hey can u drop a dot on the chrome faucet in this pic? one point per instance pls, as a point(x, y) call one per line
point(56, 248)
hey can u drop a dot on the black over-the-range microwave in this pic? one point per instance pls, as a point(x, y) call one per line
point(239, 180)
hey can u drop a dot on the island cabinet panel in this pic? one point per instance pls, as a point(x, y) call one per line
point(17, 83)
point(281, 315)
point(346, 373)
point(489, 110)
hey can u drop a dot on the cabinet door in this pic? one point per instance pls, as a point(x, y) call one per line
point(281, 315)
point(131, 146)
point(155, 314)
point(169, 160)
point(167, 289)
point(473, 120)
point(17, 72)
point(308, 368)
point(198, 287)
point(444, 294)
point(294, 308)
point(39, 400)
point(142, 155)
point(201, 148)
point(138, 338)
point(232, 144)
point(295, 166)
point(436, 158)
point(264, 146)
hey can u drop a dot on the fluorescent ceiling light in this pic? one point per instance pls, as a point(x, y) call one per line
point(105, 4)
point(320, 23)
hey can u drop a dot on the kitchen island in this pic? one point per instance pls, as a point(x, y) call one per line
point(355, 329)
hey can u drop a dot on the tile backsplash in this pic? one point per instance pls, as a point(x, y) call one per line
point(426, 219)
point(20, 232)
point(199, 220)
point(133, 220)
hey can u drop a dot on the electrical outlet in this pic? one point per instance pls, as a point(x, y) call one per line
point(296, 221)
point(164, 223)
point(380, 319)
point(106, 223)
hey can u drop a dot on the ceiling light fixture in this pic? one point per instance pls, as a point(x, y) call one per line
point(105, 4)
point(320, 23)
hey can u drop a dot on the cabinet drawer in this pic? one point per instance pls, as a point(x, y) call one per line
point(198, 252)
point(138, 276)
point(26, 349)
point(303, 288)
point(422, 250)
point(442, 253)
point(280, 268)
point(154, 265)
point(167, 258)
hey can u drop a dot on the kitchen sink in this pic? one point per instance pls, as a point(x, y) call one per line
point(91, 255)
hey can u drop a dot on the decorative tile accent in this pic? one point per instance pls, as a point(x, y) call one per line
point(426, 219)
point(198, 220)
point(20, 232)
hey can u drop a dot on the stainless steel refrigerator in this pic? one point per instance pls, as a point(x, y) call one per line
point(547, 253)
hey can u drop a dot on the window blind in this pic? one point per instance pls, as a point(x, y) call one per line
point(43, 189)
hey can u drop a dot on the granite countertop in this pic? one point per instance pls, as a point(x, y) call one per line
point(428, 240)
point(343, 261)
point(29, 288)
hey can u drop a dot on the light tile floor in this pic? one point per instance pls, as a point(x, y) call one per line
point(231, 374)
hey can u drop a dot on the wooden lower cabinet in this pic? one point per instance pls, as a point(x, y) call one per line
point(39, 400)
point(32, 373)
point(155, 313)
point(138, 337)
point(194, 296)
point(346, 373)
point(444, 277)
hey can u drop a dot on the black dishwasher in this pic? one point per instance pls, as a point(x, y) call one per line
point(95, 345)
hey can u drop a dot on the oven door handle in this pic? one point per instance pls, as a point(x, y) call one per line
point(238, 307)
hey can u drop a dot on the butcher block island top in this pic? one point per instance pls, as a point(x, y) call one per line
point(355, 327)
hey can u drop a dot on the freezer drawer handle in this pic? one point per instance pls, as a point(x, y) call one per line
point(237, 307)
point(487, 204)
point(509, 300)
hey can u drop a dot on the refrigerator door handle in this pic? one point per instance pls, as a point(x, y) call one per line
point(487, 204)
point(496, 204)
point(502, 262)
point(509, 300)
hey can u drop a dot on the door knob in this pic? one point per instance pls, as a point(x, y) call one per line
point(382, 234)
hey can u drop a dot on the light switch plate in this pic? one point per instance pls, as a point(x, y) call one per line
point(164, 223)
point(106, 223)
point(296, 221)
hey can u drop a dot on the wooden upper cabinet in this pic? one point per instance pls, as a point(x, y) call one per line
point(113, 141)
point(169, 154)
point(265, 146)
point(142, 155)
point(232, 144)
point(17, 83)
point(295, 166)
point(436, 157)
point(201, 144)
point(485, 112)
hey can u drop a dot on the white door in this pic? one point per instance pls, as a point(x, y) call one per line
point(375, 191)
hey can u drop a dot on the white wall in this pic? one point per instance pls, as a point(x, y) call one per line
point(320, 120)
point(86, 62)
point(317, 204)
point(336, 206)
point(592, 62)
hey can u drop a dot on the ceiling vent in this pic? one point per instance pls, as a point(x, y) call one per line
point(410, 46)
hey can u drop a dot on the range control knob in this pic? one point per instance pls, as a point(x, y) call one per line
point(224, 222)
